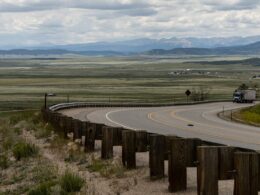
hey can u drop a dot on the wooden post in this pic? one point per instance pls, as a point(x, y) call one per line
point(117, 136)
point(51, 115)
point(107, 143)
point(167, 149)
point(80, 126)
point(90, 137)
point(177, 165)
point(141, 141)
point(51, 118)
point(58, 121)
point(76, 129)
point(129, 149)
point(208, 143)
point(207, 170)
point(65, 127)
point(156, 156)
point(99, 130)
point(226, 162)
point(247, 173)
point(70, 125)
point(48, 116)
point(84, 127)
point(149, 138)
point(63, 124)
point(191, 151)
point(258, 152)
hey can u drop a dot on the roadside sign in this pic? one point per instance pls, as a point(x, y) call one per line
point(188, 92)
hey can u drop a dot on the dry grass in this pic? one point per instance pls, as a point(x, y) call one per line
point(107, 168)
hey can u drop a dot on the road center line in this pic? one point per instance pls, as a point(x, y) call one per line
point(151, 117)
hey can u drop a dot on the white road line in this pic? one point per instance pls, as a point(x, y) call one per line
point(119, 124)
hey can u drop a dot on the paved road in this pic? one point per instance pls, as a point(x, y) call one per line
point(194, 121)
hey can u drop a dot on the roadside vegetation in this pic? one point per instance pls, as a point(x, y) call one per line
point(250, 115)
point(106, 168)
point(71, 182)
point(26, 169)
point(23, 168)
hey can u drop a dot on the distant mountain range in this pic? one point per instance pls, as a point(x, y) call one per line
point(174, 46)
point(250, 49)
point(142, 45)
point(55, 52)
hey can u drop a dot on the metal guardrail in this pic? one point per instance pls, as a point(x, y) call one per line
point(62, 106)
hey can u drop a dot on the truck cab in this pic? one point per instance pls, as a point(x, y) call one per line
point(237, 97)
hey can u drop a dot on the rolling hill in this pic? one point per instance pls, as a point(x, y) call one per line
point(249, 61)
point(146, 44)
point(251, 49)
point(48, 52)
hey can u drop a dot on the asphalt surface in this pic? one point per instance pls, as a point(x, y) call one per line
point(193, 121)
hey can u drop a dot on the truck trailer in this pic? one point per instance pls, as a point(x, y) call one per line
point(244, 96)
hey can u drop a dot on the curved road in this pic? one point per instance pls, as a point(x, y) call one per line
point(192, 121)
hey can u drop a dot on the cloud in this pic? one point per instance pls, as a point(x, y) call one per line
point(232, 4)
point(39, 5)
point(33, 22)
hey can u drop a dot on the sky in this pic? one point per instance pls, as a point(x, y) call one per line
point(45, 22)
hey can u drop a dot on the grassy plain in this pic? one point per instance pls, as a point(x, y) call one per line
point(23, 82)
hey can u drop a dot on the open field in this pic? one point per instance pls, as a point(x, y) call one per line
point(23, 82)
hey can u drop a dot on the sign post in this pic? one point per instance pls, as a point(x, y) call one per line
point(188, 92)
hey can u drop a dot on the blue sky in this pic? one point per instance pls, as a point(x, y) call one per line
point(35, 22)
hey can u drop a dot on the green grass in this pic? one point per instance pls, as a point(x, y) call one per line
point(71, 182)
point(24, 150)
point(251, 115)
point(42, 189)
point(3, 161)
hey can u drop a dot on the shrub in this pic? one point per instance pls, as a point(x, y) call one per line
point(3, 161)
point(44, 173)
point(42, 133)
point(71, 182)
point(106, 168)
point(24, 150)
point(97, 165)
point(42, 189)
point(114, 169)
point(8, 142)
point(37, 118)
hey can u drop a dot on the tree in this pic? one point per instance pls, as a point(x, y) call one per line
point(243, 87)
point(200, 93)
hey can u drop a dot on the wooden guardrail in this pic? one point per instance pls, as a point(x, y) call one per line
point(214, 161)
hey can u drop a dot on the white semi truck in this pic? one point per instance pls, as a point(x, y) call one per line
point(244, 96)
